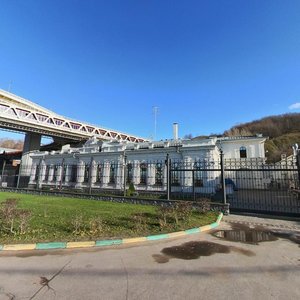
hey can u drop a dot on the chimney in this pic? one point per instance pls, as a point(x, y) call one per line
point(175, 131)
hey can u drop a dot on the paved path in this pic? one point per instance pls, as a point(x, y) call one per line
point(223, 270)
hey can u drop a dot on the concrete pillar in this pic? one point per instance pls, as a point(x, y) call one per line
point(32, 142)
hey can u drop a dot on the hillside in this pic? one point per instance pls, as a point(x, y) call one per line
point(283, 131)
point(11, 144)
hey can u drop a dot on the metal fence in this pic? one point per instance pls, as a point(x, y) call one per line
point(247, 184)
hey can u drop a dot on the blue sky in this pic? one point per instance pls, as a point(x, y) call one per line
point(207, 65)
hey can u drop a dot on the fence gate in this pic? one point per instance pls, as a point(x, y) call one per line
point(251, 185)
point(263, 188)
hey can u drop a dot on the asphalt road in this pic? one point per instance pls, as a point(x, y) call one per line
point(200, 266)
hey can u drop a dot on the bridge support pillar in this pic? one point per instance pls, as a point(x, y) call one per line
point(32, 142)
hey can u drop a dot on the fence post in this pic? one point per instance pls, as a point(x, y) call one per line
point(90, 175)
point(168, 176)
point(298, 168)
point(3, 168)
point(19, 175)
point(38, 175)
point(62, 173)
point(223, 176)
point(194, 194)
point(124, 177)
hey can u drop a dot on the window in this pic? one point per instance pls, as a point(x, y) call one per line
point(143, 175)
point(55, 173)
point(158, 174)
point(99, 173)
point(64, 173)
point(129, 175)
point(175, 176)
point(73, 173)
point(243, 152)
point(112, 171)
point(198, 174)
point(86, 173)
point(37, 173)
point(47, 173)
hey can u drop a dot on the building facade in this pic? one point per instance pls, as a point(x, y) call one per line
point(115, 165)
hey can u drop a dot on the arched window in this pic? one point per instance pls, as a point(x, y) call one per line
point(112, 172)
point(198, 174)
point(158, 174)
point(99, 173)
point(243, 152)
point(86, 173)
point(175, 176)
point(143, 174)
point(129, 175)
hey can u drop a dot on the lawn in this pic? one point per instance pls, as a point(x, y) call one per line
point(67, 219)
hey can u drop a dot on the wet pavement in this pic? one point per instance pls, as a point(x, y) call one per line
point(238, 260)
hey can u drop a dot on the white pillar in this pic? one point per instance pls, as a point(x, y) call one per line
point(42, 172)
point(106, 170)
point(80, 172)
point(151, 174)
point(119, 173)
point(58, 174)
point(51, 173)
point(32, 173)
point(68, 173)
point(93, 172)
point(187, 176)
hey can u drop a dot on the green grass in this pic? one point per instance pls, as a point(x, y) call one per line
point(52, 217)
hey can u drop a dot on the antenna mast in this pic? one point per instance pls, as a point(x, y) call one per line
point(155, 112)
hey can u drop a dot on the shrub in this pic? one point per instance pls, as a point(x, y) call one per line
point(131, 190)
point(203, 205)
point(13, 220)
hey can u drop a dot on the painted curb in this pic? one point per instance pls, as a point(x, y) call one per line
point(101, 243)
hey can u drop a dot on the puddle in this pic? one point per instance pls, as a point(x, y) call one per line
point(255, 234)
point(196, 249)
point(245, 236)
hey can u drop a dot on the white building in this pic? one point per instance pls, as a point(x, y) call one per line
point(114, 165)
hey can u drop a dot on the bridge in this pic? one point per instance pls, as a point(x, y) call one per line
point(19, 114)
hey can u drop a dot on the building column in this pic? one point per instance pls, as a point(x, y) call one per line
point(32, 173)
point(58, 174)
point(68, 173)
point(187, 176)
point(80, 173)
point(93, 172)
point(42, 173)
point(119, 173)
point(151, 174)
point(51, 173)
point(106, 170)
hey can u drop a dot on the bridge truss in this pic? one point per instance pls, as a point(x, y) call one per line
point(19, 114)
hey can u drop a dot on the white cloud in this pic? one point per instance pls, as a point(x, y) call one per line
point(295, 106)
